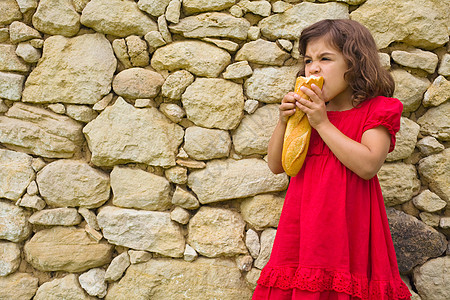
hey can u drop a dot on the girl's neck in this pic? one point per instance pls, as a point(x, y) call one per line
point(341, 102)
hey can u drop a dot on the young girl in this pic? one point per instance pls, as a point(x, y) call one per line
point(333, 239)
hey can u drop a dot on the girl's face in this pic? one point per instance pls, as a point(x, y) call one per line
point(323, 59)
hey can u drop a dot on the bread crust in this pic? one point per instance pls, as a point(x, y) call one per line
point(298, 131)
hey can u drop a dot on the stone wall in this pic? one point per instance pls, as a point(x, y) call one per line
point(134, 133)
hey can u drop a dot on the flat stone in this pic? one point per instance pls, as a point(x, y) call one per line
point(93, 282)
point(116, 17)
point(154, 8)
point(136, 188)
point(229, 179)
point(203, 143)
point(429, 202)
point(66, 249)
point(429, 145)
point(417, 59)
point(137, 256)
point(224, 44)
point(267, 239)
point(136, 135)
point(117, 267)
point(237, 70)
point(142, 230)
point(34, 202)
point(176, 83)
point(196, 6)
point(14, 225)
point(262, 211)
point(18, 286)
point(67, 287)
point(435, 170)
point(56, 17)
point(431, 279)
point(137, 83)
point(406, 139)
point(414, 241)
point(9, 258)
point(83, 67)
point(435, 122)
point(212, 24)
point(72, 183)
point(202, 279)
point(409, 89)
point(9, 61)
point(207, 100)
point(90, 217)
point(63, 216)
point(21, 32)
point(162, 27)
point(16, 174)
point(199, 58)
point(437, 93)
point(262, 52)
point(262, 8)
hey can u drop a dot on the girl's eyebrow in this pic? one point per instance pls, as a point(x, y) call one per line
point(321, 54)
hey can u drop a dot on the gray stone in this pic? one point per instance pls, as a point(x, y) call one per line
point(9, 61)
point(57, 17)
point(203, 143)
point(56, 216)
point(252, 243)
point(435, 170)
point(14, 224)
point(267, 239)
point(432, 278)
point(262, 211)
point(406, 139)
point(11, 86)
point(435, 122)
point(9, 258)
point(93, 282)
point(409, 89)
point(16, 174)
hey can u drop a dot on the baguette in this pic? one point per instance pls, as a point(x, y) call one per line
point(298, 131)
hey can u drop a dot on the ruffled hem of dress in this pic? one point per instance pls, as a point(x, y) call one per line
point(319, 280)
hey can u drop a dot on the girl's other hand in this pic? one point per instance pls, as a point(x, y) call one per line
point(288, 106)
point(314, 108)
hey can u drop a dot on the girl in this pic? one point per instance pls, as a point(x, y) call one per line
point(333, 239)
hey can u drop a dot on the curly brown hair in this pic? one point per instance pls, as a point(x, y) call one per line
point(365, 75)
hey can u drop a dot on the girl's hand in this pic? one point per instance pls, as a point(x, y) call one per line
point(288, 106)
point(314, 108)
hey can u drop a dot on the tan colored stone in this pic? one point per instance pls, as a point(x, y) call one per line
point(173, 11)
point(137, 83)
point(9, 61)
point(9, 12)
point(11, 86)
point(203, 143)
point(444, 67)
point(409, 89)
point(16, 174)
point(435, 122)
point(196, 6)
point(29, 201)
point(262, 211)
point(117, 267)
point(67, 287)
point(417, 59)
point(63, 216)
point(21, 32)
point(406, 140)
point(81, 113)
point(174, 112)
point(261, 7)
point(9, 258)
point(183, 198)
point(237, 70)
point(176, 175)
point(189, 253)
point(437, 93)
point(432, 278)
point(137, 257)
point(252, 242)
point(137, 51)
point(180, 215)
point(262, 52)
point(224, 44)
point(176, 83)
point(267, 239)
point(18, 286)
point(93, 282)
point(435, 170)
point(429, 202)
point(14, 224)
point(154, 8)
point(57, 17)
point(66, 249)
point(136, 135)
point(430, 219)
point(28, 53)
point(429, 145)
point(71, 183)
point(164, 30)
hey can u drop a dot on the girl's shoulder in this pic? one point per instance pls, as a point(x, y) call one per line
point(383, 103)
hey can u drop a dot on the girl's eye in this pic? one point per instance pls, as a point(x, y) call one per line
point(307, 61)
point(325, 58)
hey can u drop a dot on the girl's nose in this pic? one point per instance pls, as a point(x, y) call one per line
point(314, 67)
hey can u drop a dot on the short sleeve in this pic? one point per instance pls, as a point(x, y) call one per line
point(385, 112)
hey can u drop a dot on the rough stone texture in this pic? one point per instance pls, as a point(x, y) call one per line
point(414, 241)
point(137, 83)
point(117, 266)
point(75, 70)
point(267, 239)
point(213, 24)
point(416, 58)
point(14, 224)
point(429, 202)
point(117, 17)
point(18, 286)
point(224, 44)
point(93, 282)
point(183, 198)
point(9, 12)
point(81, 113)
point(435, 170)
point(207, 100)
point(134, 135)
point(9, 258)
point(176, 83)
point(429, 145)
point(398, 182)
point(38, 131)
point(432, 278)
point(254, 132)
point(20, 32)
point(34, 202)
point(289, 24)
point(137, 51)
point(173, 11)
point(406, 140)
point(203, 143)
point(137, 257)
point(142, 230)
point(180, 215)
point(57, 17)
point(28, 53)
point(261, 8)
point(215, 232)
point(66, 249)
point(189, 253)
point(409, 89)
point(270, 84)
point(237, 70)
point(252, 243)
point(199, 58)
point(426, 27)
point(11, 86)
point(196, 6)
point(435, 122)
point(16, 174)
point(202, 279)
point(172, 111)
point(90, 217)
point(230, 179)
point(71, 183)
point(176, 175)
point(56, 216)
point(9, 61)
point(444, 67)
point(262, 211)
point(67, 287)
point(437, 93)
point(135, 188)
point(262, 52)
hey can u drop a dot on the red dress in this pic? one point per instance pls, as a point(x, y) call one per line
point(333, 239)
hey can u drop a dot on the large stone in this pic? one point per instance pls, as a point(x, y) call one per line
point(435, 170)
point(71, 183)
point(57, 17)
point(75, 70)
point(409, 89)
point(16, 174)
point(199, 58)
point(432, 279)
point(136, 188)
point(237, 70)
point(11, 86)
point(229, 179)
point(398, 182)
point(14, 224)
point(196, 6)
point(417, 59)
point(261, 8)
point(254, 132)
point(429, 202)
point(18, 286)
point(62, 288)
point(176, 83)
point(9, 258)
point(38, 131)
point(208, 100)
point(215, 232)
point(262, 211)
point(262, 52)
point(168, 279)
point(289, 25)
point(66, 249)
point(134, 135)
point(435, 122)
point(117, 17)
point(406, 140)
point(414, 241)
point(402, 21)
point(212, 24)
point(9, 61)
point(203, 143)
point(137, 83)
point(63, 216)
point(152, 7)
point(9, 12)
point(437, 93)
point(270, 84)
point(267, 239)
point(142, 230)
